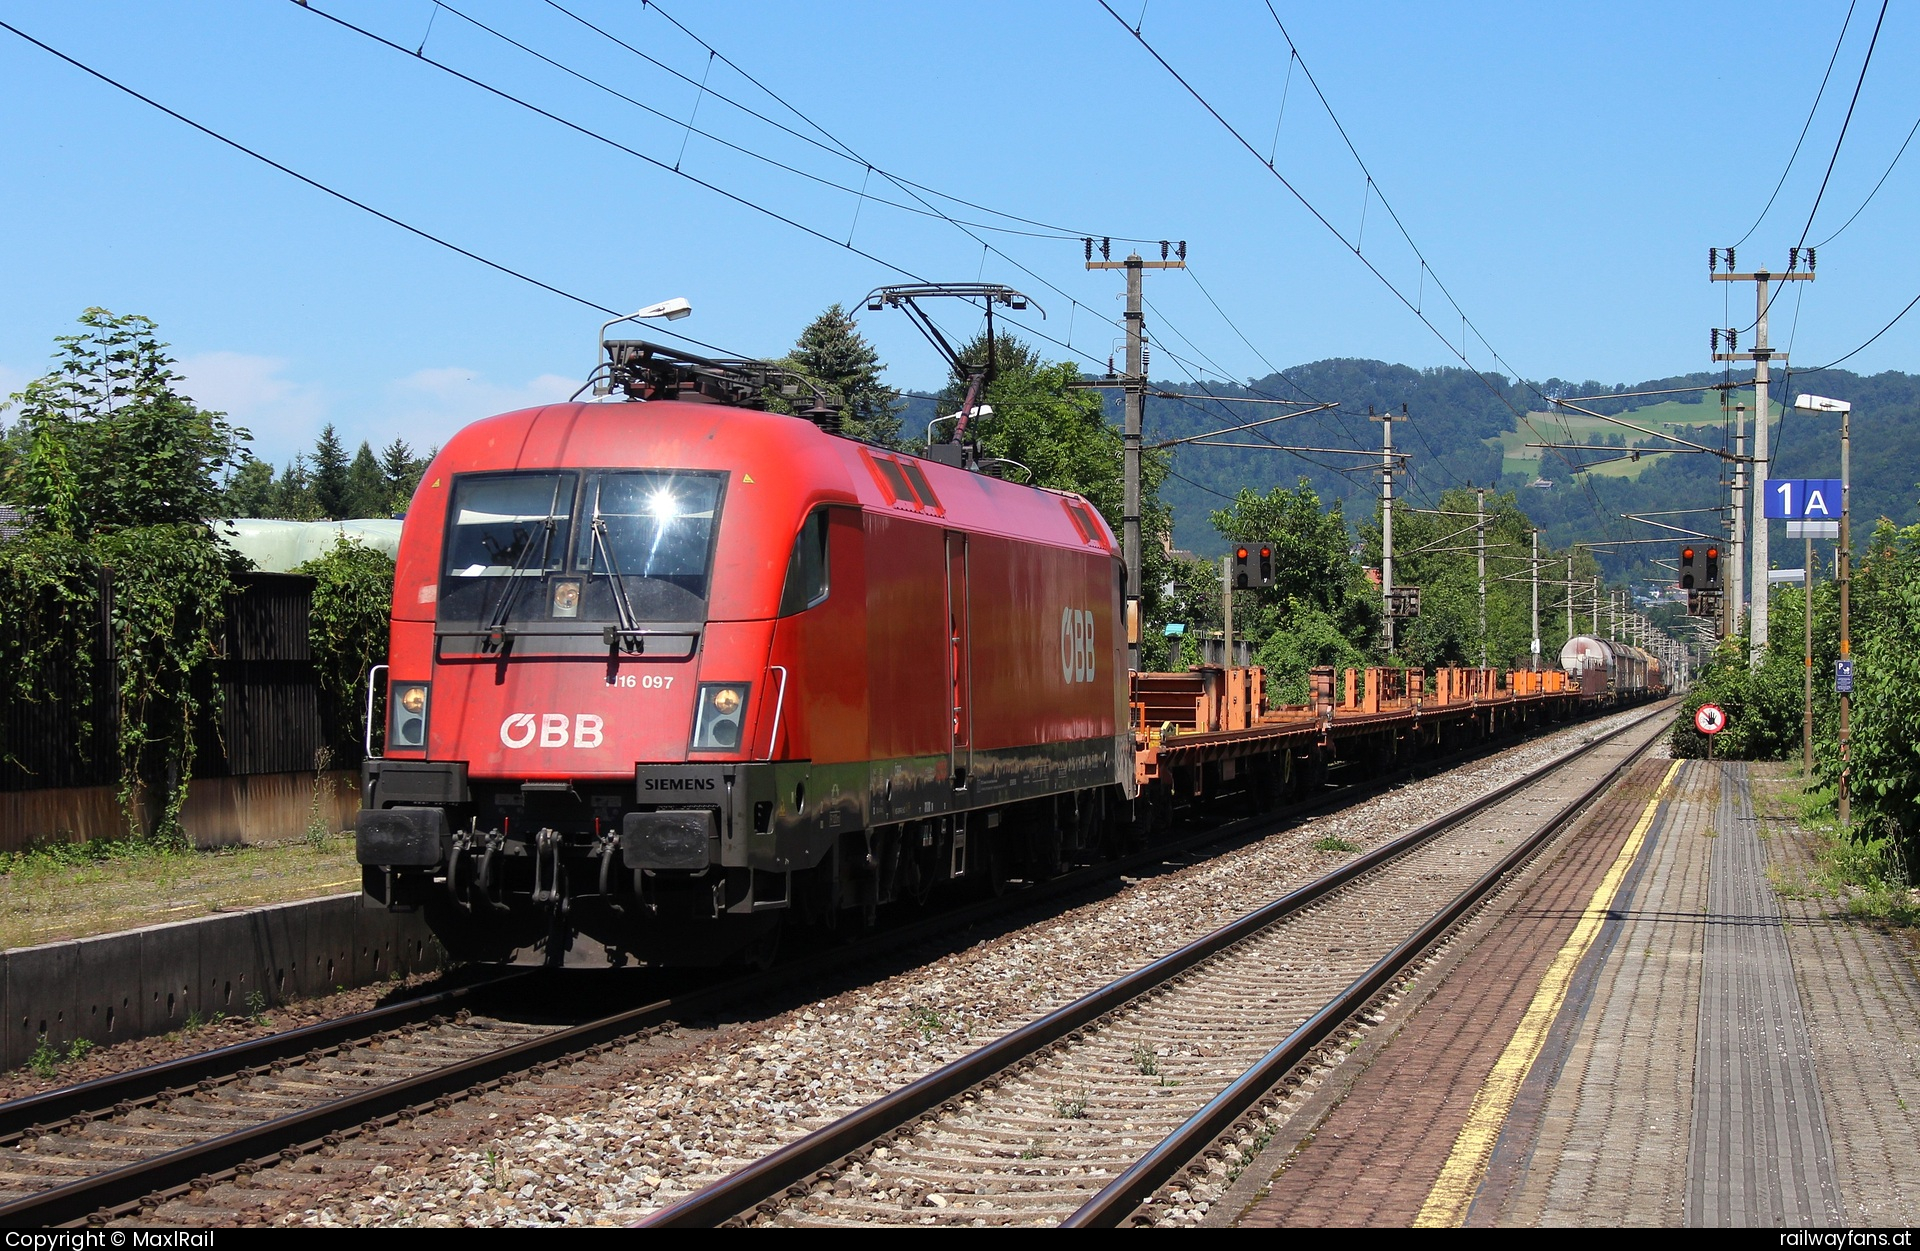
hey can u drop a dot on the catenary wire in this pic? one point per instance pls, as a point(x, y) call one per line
point(1600, 514)
point(343, 196)
point(1876, 186)
point(1804, 127)
point(1848, 121)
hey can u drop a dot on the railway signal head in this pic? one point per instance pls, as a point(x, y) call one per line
point(1252, 565)
point(1711, 578)
point(1689, 572)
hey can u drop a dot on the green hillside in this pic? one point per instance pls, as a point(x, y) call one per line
point(1464, 434)
point(1699, 422)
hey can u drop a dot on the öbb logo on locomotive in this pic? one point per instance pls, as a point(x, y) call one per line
point(555, 729)
point(1076, 645)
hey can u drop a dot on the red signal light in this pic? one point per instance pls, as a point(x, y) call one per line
point(1241, 553)
point(1713, 553)
point(1686, 553)
point(1265, 552)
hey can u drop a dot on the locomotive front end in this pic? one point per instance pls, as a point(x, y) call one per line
point(572, 709)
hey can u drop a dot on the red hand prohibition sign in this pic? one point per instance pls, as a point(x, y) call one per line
point(1709, 719)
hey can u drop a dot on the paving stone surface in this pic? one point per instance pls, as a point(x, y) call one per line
point(1760, 1151)
point(1598, 1134)
point(1862, 999)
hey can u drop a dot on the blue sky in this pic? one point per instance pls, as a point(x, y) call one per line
point(1563, 169)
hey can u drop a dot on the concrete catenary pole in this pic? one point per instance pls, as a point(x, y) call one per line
point(1480, 542)
point(1536, 601)
point(1737, 590)
point(1569, 595)
point(1761, 356)
point(1135, 391)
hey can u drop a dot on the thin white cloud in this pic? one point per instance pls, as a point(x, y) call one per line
point(429, 405)
point(284, 415)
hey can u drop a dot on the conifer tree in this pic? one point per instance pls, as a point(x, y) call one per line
point(366, 494)
point(330, 473)
point(832, 351)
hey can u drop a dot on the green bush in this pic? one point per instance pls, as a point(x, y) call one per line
point(352, 597)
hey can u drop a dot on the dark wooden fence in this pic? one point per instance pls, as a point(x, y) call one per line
point(269, 711)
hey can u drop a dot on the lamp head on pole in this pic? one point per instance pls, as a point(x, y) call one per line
point(1821, 404)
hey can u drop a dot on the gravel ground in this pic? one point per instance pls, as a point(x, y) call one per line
point(638, 1128)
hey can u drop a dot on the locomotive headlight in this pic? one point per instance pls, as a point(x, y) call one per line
point(408, 728)
point(718, 716)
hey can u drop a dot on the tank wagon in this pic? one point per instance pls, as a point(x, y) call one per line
point(1612, 671)
point(667, 670)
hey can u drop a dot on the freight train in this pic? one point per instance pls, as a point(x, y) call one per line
point(1611, 669)
point(669, 668)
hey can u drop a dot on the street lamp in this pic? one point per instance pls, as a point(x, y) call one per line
point(665, 310)
point(1821, 404)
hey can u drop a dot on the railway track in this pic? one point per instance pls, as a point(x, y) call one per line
point(121, 1144)
point(1077, 1118)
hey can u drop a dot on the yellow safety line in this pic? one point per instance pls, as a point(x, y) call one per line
point(1452, 1192)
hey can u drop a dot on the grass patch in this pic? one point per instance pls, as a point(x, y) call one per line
point(926, 1020)
point(1333, 843)
point(61, 890)
point(1870, 873)
point(47, 1060)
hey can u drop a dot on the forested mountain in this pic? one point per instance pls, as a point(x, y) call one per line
point(1456, 418)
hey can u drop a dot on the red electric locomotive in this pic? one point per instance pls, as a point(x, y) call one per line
point(664, 670)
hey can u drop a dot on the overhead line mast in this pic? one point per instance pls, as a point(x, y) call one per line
point(1760, 355)
point(1134, 384)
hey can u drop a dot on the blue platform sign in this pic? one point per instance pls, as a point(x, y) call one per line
point(1843, 677)
point(1802, 499)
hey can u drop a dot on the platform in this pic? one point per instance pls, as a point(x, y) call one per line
point(1645, 1033)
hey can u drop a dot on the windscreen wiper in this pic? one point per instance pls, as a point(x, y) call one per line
point(629, 627)
point(503, 610)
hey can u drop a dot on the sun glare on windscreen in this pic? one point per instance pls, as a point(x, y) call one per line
point(662, 505)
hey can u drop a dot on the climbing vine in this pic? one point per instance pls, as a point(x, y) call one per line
point(352, 595)
point(114, 475)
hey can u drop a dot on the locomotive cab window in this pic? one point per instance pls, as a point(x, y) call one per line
point(545, 550)
point(652, 529)
point(807, 569)
point(509, 525)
